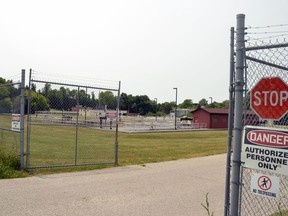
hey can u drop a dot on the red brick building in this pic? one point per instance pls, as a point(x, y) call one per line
point(211, 117)
point(218, 118)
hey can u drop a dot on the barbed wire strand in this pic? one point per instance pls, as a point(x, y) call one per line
point(40, 74)
point(275, 32)
point(268, 37)
point(268, 26)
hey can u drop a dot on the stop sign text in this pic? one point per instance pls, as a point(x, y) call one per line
point(273, 98)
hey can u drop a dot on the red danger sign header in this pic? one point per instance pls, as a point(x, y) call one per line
point(268, 138)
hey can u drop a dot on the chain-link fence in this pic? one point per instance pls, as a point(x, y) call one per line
point(263, 54)
point(12, 117)
point(9, 113)
point(263, 59)
point(71, 124)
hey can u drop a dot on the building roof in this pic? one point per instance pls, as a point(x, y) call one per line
point(222, 111)
point(213, 110)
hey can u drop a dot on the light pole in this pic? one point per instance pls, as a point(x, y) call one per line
point(211, 100)
point(176, 89)
point(156, 108)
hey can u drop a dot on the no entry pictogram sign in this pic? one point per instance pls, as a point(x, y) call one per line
point(264, 183)
point(269, 98)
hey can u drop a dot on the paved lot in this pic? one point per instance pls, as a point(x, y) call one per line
point(167, 189)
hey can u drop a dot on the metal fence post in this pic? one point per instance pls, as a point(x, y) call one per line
point(230, 124)
point(22, 109)
point(176, 89)
point(239, 83)
point(117, 125)
point(77, 127)
point(28, 128)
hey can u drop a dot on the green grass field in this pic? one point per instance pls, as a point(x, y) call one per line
point(52, 145)
point(141, 148)
point(55, 145)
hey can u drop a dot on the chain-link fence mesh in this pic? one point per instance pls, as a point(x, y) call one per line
point(71, 124)
point(264, 59)
point(252, 204)
point(9, 114)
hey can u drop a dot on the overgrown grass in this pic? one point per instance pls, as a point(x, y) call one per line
point(281, 213)
point(9, 159)
point(9, 166)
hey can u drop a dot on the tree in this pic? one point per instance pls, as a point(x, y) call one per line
point(166, 107)
point(5, 105)
point(143, 104)
point(8, 96)
point(126, 102)
point(107, 98)
point(38, 102)
point(203, 102)
point(46, 89)
point(186, 104)
point(225, 104)
point(94, 101)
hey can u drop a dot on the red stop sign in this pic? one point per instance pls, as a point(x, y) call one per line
point(269, 98)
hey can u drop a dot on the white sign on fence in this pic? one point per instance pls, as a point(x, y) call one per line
point(15, 122)
point(265, 149)
point(265, 185)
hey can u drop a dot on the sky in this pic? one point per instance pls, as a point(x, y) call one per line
point(151, 46)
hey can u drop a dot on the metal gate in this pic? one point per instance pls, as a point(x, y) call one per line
point(71, 124)
point(259, 52)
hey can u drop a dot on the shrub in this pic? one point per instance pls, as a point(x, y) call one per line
point(9, 166)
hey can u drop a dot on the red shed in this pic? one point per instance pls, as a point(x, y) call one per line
point(211, 117)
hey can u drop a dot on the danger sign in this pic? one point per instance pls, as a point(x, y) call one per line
point(265, 185)
point(15, 123)
point(269, 98)
point(265, 149)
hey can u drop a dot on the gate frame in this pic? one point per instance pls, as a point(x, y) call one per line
point(31, 80)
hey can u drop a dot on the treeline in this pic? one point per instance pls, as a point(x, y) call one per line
point(47, 98)
point(9, 97)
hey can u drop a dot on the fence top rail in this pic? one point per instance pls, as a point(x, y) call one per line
point(80, 86)
point(267, 47)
